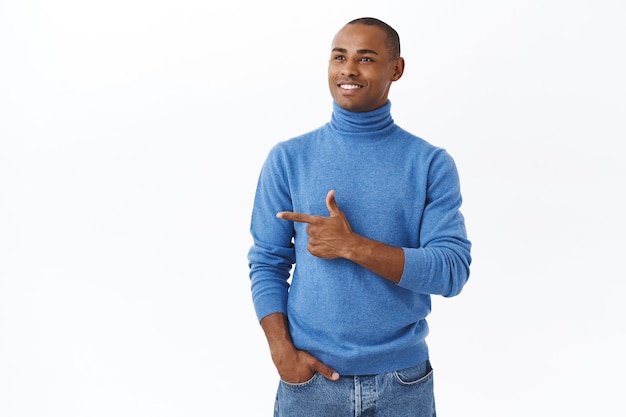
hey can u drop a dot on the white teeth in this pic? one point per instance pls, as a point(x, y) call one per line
point(349, 86)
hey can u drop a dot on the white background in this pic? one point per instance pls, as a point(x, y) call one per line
point(131, 136)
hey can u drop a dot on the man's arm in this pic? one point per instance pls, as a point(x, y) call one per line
point(332, 237)
point(380, 258)
point(293, 365)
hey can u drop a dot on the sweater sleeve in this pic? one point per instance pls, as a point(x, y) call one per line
point(440, 264)
point(272, 254)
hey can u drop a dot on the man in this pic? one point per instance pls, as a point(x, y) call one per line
point(369, 214)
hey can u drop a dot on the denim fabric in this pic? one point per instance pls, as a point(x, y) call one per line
point(404, 393)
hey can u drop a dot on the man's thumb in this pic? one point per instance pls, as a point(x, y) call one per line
point(331, 204)
point(329, 373)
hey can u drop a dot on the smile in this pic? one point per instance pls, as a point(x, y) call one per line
point(349, 86)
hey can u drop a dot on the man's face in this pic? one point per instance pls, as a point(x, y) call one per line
point(361, 69)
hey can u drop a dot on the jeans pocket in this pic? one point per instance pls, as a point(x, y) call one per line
point(414, 375)
point(299, 384)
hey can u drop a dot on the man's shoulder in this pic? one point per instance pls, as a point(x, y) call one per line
point(415, 140)
point(302, 139)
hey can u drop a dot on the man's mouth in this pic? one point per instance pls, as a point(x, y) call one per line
point(349, 86)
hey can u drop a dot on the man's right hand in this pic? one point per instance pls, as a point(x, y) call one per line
point(293, 365)
point(297, 366)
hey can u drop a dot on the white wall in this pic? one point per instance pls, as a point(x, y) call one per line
point(131, 135)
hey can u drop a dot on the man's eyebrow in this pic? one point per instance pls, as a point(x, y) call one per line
point(367, 51)
point(359, 51)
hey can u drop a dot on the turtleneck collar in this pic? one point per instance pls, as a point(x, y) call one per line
point(372, 125)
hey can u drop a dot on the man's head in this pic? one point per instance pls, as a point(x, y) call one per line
point(365, 59)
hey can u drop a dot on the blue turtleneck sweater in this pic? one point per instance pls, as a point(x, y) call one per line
point(393, 187)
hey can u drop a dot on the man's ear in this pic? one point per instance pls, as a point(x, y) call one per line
point(398, 69)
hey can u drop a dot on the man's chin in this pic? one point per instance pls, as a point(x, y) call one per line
point(348, 104)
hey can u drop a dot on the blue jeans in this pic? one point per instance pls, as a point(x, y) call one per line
point(404, 393)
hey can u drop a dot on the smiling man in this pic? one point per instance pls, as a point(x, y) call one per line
point(369, 214)
point(365, 60)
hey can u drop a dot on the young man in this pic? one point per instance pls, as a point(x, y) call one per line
point(369, 214)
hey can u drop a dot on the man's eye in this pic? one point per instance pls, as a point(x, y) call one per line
point(366, 59)
point(339, 58)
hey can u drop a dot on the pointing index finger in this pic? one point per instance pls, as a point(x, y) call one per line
point(296, 217)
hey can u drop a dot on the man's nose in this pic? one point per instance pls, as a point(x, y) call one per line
point(349, 69)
